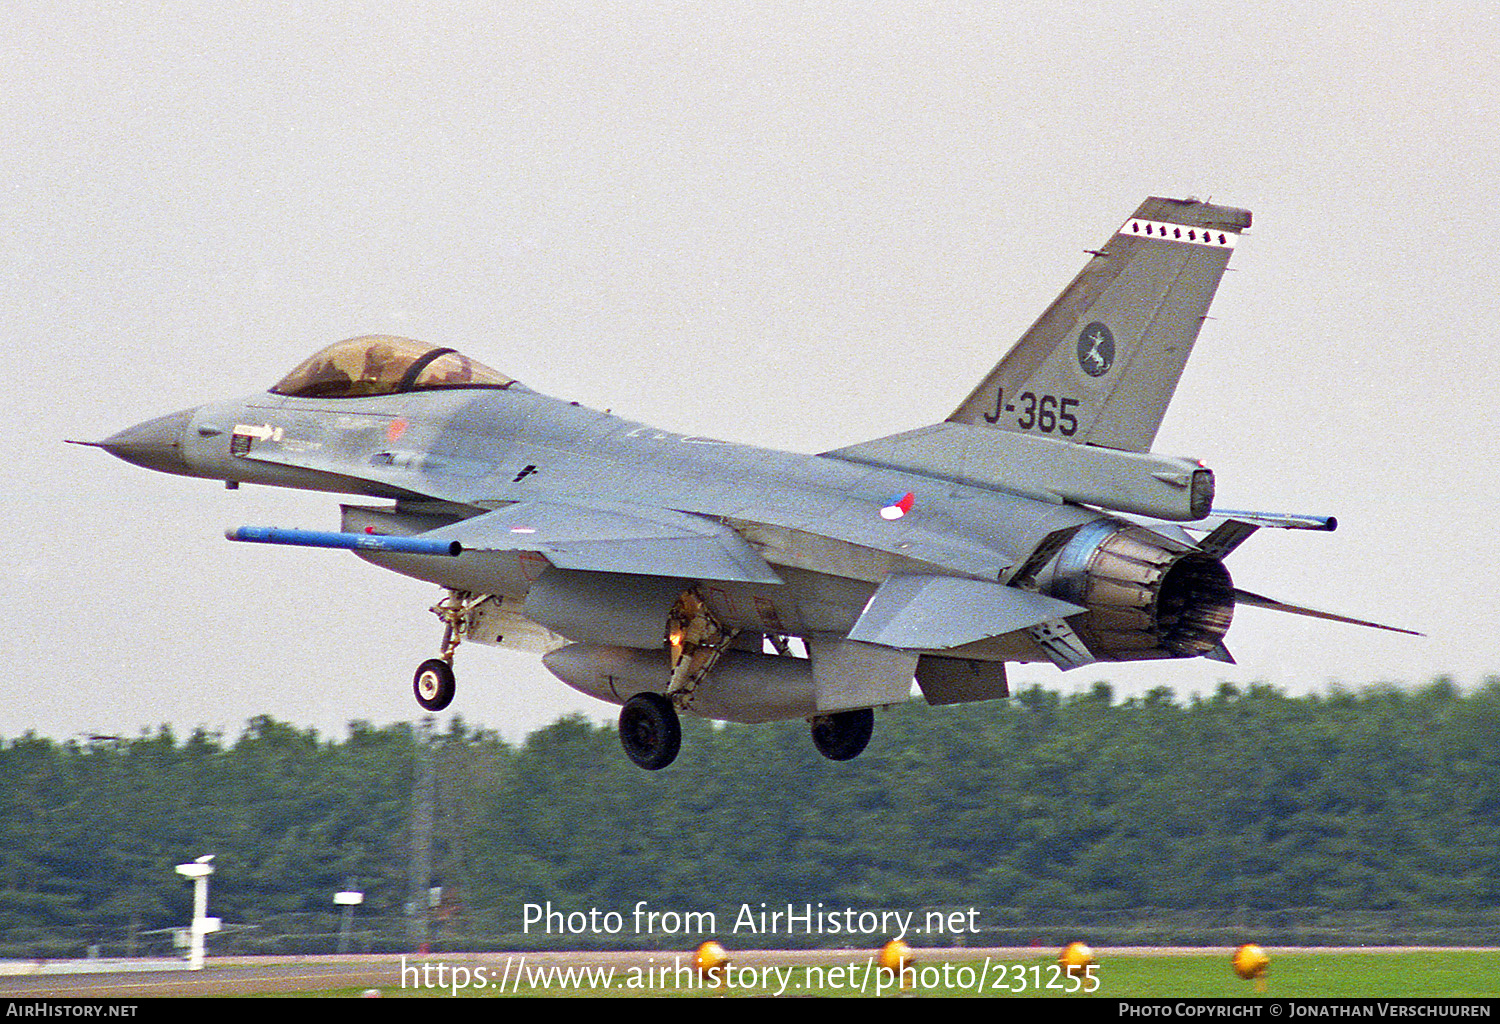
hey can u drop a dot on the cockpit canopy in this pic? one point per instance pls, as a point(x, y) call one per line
point(382, 364)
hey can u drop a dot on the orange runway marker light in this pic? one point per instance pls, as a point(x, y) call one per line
point(1075, 959)
point(1251, 962)
point(896, 957)
point(710, 960)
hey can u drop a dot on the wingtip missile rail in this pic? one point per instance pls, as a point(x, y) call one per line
point(344, 541)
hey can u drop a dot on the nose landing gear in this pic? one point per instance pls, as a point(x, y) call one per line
point(434, 685)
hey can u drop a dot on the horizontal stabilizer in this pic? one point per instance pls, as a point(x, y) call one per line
point(939, 612)
point(615, 538)
point(1227, 529)
point(1256, 601)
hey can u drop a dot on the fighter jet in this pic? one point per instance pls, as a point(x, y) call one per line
point(673, 574)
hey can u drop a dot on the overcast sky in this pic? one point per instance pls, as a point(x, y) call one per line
point(799, 225)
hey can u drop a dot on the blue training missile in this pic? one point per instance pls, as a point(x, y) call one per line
point(345, 541)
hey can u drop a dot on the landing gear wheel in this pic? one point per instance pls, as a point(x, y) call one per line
point(650, 731)
point(434, 684)
point(843, 735)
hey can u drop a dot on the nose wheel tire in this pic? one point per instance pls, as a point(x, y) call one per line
point(843, 735)
point(434, 684)
point(650, 731)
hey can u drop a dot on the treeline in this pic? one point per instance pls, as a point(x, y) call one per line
point(1368, 816)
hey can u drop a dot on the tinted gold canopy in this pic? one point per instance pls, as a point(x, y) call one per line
point(383, 364)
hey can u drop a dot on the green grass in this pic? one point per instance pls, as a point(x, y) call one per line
point(1300, 975)
point(1304, 975)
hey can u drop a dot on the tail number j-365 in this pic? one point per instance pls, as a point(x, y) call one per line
point(1047, 413)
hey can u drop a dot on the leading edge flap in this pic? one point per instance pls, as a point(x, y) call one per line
point(625, 539)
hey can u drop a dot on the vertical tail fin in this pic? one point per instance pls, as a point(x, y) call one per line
point(1100, 365)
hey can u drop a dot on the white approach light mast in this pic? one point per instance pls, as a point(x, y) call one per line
point(198, 871)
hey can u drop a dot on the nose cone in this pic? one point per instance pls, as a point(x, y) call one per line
point(155, 444)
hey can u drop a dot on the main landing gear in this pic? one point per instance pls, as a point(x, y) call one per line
point(695, 640)
point(843, 735)
point(650, 731)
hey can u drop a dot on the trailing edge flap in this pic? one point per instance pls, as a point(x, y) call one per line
point(939, 612)
point(1256, 601)
point(615, 538)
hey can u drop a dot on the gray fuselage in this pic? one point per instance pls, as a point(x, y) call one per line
point(445, 455)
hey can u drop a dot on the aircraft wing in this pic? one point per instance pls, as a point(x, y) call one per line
point(615, 538)
point(649, 493)
point(1276, 520)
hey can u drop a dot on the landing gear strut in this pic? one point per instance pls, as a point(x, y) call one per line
point(695, 641)
point(650, 731)
point(843, 735)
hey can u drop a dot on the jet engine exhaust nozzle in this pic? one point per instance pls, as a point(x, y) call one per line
point(1147, 598)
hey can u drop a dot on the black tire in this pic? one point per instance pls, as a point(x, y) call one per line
point(650, 731)
point(843, 735)
point(434, 685)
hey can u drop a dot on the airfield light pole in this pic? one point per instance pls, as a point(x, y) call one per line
point(348, 899)
point(418, 904)
point(198, 871)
